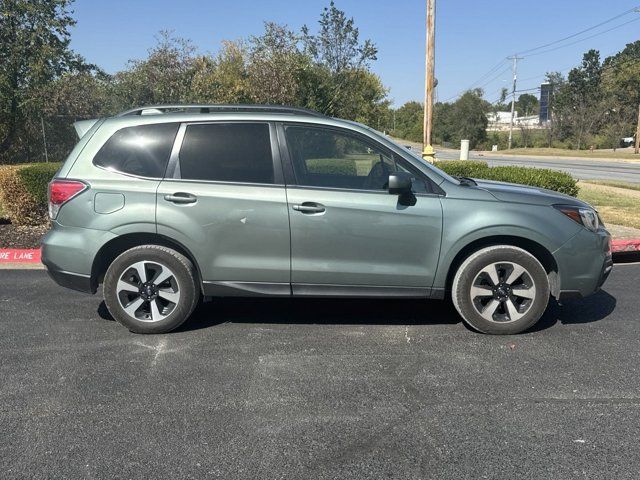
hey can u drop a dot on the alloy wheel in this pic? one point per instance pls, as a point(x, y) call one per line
point(503, 292)
point(148, 291)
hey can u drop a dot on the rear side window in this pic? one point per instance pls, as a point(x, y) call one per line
point(227, 152)
point(142, 150)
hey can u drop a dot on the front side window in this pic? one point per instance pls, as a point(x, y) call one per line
point(227, 152)
point(142, 150)
point(324, 157)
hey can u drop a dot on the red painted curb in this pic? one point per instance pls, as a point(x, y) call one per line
point(19, 255)
point(618, 246)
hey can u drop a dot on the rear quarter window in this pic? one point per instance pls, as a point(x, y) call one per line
point(143, 150)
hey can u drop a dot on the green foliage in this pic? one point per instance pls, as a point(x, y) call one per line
point(536, 177)
point(34, 51)
point(36, 178)
point(463, 168)
point(408, 122)
point(325, 70)
point(23, 192)
point(527, 105)
point(332, 166)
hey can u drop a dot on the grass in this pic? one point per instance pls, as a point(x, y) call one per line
point(561, 152)
point(618, 206)
point(615, 183)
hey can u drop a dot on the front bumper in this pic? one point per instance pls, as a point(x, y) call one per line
point(584, 264)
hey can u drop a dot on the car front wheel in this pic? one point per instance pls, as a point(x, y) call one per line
point(151, 289)
point(501, 290)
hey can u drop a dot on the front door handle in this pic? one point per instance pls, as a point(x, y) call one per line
point(181, 198)
point(309, 207)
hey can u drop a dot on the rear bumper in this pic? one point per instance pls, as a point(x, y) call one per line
point(584, 264)
point(69, 252)
point(74, 281)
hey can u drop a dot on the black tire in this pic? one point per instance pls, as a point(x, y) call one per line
point(500, 308)
point(155, 260)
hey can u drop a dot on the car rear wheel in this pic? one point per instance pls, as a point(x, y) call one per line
point(151, 289)
point(501, 290)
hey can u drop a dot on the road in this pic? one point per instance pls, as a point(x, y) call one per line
point(317, 389)
point(580, 169)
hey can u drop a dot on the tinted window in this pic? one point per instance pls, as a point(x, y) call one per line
point(142, 150)
point(330, 158)
point(227, 152)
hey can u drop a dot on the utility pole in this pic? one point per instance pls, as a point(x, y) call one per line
point(637, 149)
point(515, 59)
point(428, 152)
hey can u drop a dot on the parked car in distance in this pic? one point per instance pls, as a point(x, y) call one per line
point(166, 205)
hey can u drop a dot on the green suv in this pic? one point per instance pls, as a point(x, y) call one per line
point(169, 204)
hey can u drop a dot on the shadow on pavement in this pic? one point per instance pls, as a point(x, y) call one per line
point(370, 312)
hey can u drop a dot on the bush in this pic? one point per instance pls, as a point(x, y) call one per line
point(332, 166)
point(23, 192)
point(535, 177)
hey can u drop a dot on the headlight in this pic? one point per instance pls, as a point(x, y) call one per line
point(586, 217)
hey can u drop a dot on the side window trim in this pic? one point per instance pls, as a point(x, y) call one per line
point(289, 171)
point(173, 167)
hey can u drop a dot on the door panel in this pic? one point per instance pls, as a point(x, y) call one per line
point(236, 232)
point(226, 204)
point(363, 238)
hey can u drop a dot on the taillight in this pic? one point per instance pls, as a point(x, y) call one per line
point(60, 192)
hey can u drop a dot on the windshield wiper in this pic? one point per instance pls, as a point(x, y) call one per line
point(469, 182)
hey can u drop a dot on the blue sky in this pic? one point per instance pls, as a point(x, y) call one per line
point(472, 36)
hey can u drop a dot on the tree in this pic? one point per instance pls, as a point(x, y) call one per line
point(527, 105)
point(34, 51)
point(468, 118)
point(409, 122)
point(276, 66)
point(164, 77)
point(224, 78)
point(337, 45)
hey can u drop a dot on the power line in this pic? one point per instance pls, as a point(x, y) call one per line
point(626, 12)
point(583, 39)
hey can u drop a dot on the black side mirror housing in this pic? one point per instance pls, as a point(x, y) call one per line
point(400, 183)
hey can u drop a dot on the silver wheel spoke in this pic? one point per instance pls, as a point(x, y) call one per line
point(524, 292)
point(490, 309)
point(163, 276)
point(515, 274)
point(126, 287)
point(144, 299)
point(155, 311)
point(513, 311)
point(492, 272)
point(133, 306)
point(140, 267)
point(481, 292)
point(173, 297)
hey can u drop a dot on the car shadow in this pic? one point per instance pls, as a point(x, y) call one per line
point(333, 311)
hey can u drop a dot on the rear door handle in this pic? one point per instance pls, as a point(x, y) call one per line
point(181, 198)
point(309, 207)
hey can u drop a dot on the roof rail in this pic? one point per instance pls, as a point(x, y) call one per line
point(220, 108)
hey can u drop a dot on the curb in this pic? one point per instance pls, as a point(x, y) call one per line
point(20, 255)
point(620, 246)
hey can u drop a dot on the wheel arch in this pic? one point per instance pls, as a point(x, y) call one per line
point(114, 247)
point(540, 252)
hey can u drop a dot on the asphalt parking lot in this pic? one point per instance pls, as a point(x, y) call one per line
point(317, 389)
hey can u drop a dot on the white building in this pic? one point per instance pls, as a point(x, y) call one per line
point(500, 121)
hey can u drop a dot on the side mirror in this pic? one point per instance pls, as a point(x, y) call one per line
point(400, 183)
